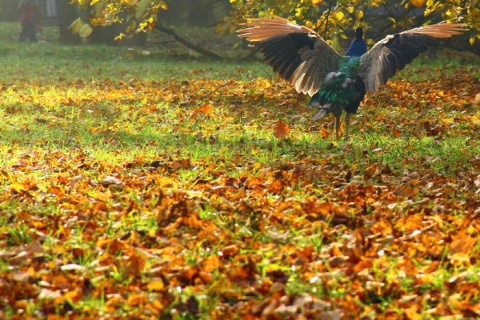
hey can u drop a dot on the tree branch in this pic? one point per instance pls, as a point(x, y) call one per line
point(187, 43)
point(328, 16)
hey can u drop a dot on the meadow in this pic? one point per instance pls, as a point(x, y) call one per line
point(138, 186)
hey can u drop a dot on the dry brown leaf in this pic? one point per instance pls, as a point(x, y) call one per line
point(135, 264)
point(462, 245)
point(404, 190)
point(281, 129)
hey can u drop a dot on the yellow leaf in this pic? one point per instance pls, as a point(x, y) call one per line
point(315, 2)
point(257, 165)
point(336, 42)
point(359, 14)
point(85, 31)
point(76, 25)
point(18, 187)
point(412, 314)
point(157, 305)
point(81, 28)
point(460, 258)
point(73, 296)
point(339, 15)
point(156, 285)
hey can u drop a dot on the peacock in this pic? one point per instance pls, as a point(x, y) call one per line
point(335, 82)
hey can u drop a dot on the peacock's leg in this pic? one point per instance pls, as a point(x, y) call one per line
point(337, 125)
point(347, 125)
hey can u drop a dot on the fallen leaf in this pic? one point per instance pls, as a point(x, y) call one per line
point(477, 100)
point(156, 285)
point(404, 190)
point(281, 129)
point(462, 245)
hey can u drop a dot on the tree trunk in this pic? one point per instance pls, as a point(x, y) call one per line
point(9, 10)
point(67, 13)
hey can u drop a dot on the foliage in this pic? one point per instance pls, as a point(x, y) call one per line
point(138, 187)
point(331, 19)
point(139, 14)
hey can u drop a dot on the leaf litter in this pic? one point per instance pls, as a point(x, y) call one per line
point(219, 199)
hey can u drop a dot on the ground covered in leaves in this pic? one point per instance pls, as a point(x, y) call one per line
point(139, 188)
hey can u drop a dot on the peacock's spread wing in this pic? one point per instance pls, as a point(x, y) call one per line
point(395, 51)
point(296, 53)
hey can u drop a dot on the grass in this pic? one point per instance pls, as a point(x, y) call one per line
point(144, 169)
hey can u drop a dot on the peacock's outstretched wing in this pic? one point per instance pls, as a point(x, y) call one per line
point(391, 54)
point(296, 53)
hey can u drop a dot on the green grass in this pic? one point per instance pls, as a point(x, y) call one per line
point(196, 181)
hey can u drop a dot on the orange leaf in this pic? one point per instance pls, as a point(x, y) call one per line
point(203, 110)
point(135, 265)
point(412, 314)
point(477, 100)
point(137, 299)
point(403, 191)
point(418, 3)
point(462, 245)
point(281, 129)
point(211, 263)
point(324, 133)
point(73, 296)
point(276, 186)
point(156, 285)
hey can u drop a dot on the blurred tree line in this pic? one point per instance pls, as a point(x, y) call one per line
point(204, 13)
point(335, 20)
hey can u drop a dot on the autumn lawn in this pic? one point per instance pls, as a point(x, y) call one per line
point(135, 186)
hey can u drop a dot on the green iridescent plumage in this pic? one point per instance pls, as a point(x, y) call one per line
point(349, 66)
